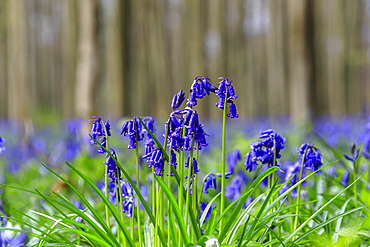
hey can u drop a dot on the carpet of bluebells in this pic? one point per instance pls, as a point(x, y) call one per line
point(186, 181)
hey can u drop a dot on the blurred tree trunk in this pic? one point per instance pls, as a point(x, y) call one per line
point(114, 67)
point(86, 70)
point(68, 57)
point(298, 66)
point(3, 61)
point(17, 57)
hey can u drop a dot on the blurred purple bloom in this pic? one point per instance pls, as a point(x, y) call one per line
point(8, 238)
point(232, 160)
point(203, 206)
point(2, 140)
point(366, 152)
point(345, 179)
point(234, 189)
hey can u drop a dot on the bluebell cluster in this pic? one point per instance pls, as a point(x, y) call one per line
point(266, 151)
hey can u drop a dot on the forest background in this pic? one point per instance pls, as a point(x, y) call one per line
point(69, 58)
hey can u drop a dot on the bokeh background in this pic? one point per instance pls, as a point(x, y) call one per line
point(79, 58)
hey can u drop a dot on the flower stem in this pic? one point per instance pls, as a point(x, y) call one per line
point(295, 225)
point(223, 159)
point(138, 211)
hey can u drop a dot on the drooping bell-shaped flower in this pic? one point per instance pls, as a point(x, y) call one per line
point(177, 100)
point(312, 158)
point(226, 94)
point(209, 182)
point(266, 151)
point(113, 170)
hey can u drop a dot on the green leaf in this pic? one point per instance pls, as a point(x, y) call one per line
point(176, 209)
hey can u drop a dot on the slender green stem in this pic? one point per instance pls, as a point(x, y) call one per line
point(107, 195)
point(295, 225)
point(189, 186)
point(223, 160)
point(138, 210)
point(355, 185)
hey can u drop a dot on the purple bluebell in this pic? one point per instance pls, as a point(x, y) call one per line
point(354, 153)
point(100, 133)
point(233, 113)
point(128, 205)
point(73, 144)
point(97, 129)
point(177, 100)
point(312, 158)
point(134, 131)
point(209, 182)
point(2, 148)
point(201, 87)
point(155, 159)
point(113, 171)
point(265, 150)
point(225, 89)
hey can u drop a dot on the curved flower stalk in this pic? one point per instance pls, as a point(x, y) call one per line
point(311, 159)
point(353, 158)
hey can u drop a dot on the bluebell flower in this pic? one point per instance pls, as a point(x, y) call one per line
point(177, 100)
point(155, 159)
point(209, 182)
point(201, 87)
point(225, 89)
point(2, 148)
point(97, 129)
point(265, 150)
point(354, 153)
point(311, 155)
point(233, 113)
point(113, 171)
point(134, 131)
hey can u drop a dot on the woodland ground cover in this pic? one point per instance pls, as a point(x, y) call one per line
point(188, 182)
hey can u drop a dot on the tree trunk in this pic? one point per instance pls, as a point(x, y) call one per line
point(86, 61)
